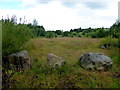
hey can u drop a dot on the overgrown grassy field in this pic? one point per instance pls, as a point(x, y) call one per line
point(71, 75)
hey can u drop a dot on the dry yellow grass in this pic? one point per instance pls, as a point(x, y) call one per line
point(68, 48)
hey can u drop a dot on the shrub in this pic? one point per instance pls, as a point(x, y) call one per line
point(115, 30)
point(65, 34)
point(112, 42)
point(50, 34)
point(14, 36)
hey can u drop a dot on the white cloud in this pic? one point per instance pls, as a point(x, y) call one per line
point(29, 3)
point(55, 15)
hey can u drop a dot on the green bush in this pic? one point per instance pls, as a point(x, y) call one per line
point(112, 42)
point(115, 30)
point(65, 34)
point(14, 36)
point(50, 34)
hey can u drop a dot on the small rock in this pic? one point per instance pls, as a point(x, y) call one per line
point(54, 61)
point(102, 47)
point(117, 75)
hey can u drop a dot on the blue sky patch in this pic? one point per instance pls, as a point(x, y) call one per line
point(10, 5)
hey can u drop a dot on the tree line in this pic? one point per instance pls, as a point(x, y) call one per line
point(113, 31)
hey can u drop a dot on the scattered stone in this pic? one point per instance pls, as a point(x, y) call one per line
point(95, 61)
point(117, 75)
point(105, 46)
point(19, 61)
point(102, 47)
point(54, 61)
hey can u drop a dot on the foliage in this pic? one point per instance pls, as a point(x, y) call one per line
point(88, 32)
point(65, 34)
point(50, 34)
point(110, 42)
point(14, 36)
point(115, 30)
point(101, 33)
point(37, 30)
point(58, 32)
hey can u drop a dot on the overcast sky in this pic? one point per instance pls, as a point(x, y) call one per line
point(63, 14)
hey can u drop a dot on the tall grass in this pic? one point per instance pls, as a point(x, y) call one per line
point(71, 75)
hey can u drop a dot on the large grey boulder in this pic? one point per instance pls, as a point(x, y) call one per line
point(54, 61)
point(19, 61)
point(95, 61)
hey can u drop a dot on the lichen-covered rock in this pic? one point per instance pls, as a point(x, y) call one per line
point(19, 61)
point(95, 61)
point(54, 61)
